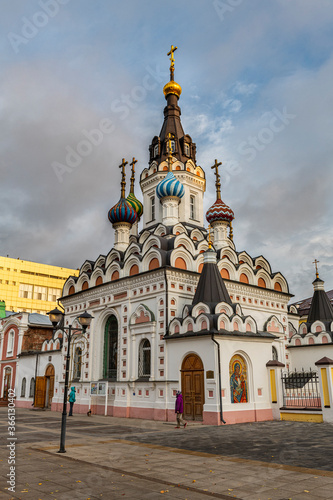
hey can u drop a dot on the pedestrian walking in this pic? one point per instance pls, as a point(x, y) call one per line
point(71, 400)
point(179, 410)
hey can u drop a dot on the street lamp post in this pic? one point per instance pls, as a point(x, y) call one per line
point(84, 319)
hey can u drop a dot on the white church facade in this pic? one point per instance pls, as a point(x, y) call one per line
point(175, 305)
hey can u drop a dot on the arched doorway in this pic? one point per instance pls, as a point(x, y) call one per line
point(193, 387)
point(45, 388)
point(7, 382)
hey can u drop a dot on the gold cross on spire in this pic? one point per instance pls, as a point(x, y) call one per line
point(132, 164)
point(316, 262)
point(123, 177)
point(217, 183)
point(172, 62)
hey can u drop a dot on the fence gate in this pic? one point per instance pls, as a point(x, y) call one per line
point(301, 390)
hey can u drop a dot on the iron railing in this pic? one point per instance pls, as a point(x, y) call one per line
point(301, 389)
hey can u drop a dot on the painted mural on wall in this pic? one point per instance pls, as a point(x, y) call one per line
point(238, 379)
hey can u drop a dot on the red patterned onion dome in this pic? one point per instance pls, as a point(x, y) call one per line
point(122, 212)
point(219, 212)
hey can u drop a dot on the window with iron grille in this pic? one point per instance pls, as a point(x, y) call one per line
point(77, 363)
point(144, 358)
point(111, 348)
point(192, 207)
point(152, 205)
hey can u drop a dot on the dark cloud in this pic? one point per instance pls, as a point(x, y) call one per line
point(90, 59)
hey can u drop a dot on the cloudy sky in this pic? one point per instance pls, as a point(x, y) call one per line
point(257, 94)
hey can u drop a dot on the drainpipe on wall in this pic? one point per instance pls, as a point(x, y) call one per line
point(219, 380)
point(35, 379)
point(166, 305)
point(166, 328)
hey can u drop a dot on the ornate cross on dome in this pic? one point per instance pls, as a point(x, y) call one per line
point(132, 164)
point(172, 61)
point(123, 177)
point(217, 183)
point(316, 262)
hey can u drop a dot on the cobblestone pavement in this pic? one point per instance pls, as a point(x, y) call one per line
point(115, 458)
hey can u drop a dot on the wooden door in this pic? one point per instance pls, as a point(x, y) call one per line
point(51, 389)
point(40, 392)
point(49, 385)
point(7, 380)
point(193, 387)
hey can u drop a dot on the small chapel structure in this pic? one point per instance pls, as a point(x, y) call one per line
point(176, 306)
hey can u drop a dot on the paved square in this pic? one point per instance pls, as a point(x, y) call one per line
point(136, 459)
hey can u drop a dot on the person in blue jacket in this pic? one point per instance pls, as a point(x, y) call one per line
point(71, 400)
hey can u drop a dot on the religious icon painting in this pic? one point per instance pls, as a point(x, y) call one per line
point(238, 379)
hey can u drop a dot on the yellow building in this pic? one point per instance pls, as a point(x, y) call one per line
point(29, 286)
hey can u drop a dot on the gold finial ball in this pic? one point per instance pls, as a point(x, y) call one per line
point(172, 88)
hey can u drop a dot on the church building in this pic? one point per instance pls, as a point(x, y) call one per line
point(175, 305)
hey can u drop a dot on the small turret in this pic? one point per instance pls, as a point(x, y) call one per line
point(220, 216)
point(122, 215)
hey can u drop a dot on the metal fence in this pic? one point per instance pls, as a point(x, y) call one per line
point(301, 389)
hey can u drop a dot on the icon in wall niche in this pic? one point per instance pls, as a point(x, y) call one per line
point(238, 379)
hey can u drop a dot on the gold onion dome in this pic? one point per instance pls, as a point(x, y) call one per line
point(172, 87)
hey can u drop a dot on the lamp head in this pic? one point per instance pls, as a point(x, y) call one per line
point(85, 320)
point(55, 316)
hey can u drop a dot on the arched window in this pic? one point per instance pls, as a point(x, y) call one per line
point(10, 342)
point(115, 275)
point(111, 348)
point(278, 287)
point(71, 290)
point(311, 341)
point(32, 388)
point(324, 340)
point(23, 387)
point(225, 274)
point(144, 358)
point(154, 264)
point(180, 263)
point(297, 342)
point(99, 281)
point(77, 363)
point(275, 356)
point(261, 283)
point(200, 268)
point(85, 285)
point(243, 278)
point(134, 270)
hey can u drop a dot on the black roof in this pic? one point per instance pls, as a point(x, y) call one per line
point(321, 308)
point(211, 288)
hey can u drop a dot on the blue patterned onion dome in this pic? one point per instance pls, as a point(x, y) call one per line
point(170, 187)
point(135, 203)
point(122, 212)
point(219, 212)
